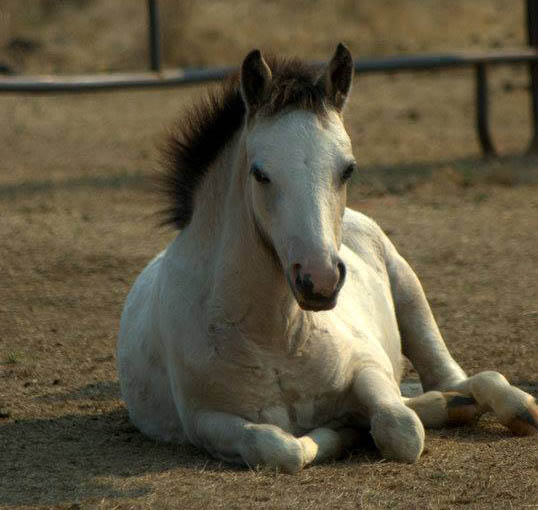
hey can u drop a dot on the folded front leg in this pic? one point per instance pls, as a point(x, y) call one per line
point(396, 429)
point(323, 443)
point(234, 439)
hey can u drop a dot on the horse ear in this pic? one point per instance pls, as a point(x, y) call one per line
point(255, 79)
point(336, 80)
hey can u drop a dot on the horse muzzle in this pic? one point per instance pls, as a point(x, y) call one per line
point(316, 294)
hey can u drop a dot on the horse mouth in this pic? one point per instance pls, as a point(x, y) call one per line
point(318, 304)
point(315, 302)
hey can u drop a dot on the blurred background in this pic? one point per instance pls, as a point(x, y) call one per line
point(78, 36)
point(394, 118)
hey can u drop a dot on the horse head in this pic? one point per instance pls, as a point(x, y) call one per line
point(298, 161)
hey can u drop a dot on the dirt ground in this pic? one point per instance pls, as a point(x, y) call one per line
point(73, 243)
point(77, 224)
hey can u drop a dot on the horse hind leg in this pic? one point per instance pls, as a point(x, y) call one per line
point(513, 407)
point(423, 345)
point(421, 339)
point(486, 391)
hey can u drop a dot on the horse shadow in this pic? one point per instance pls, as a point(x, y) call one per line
point(87, 456)
point(374, 179)
point(96, 455)
point(100, 391)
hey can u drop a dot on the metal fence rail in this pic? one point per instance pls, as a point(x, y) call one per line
point(178, 77)
point(480, 61)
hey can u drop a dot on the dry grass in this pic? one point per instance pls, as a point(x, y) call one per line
point(77, 226)
point(99, 35)
point(74, 249)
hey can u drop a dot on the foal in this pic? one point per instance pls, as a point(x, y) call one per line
point(273, 326)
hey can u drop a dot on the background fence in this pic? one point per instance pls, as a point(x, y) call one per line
point(157, 77)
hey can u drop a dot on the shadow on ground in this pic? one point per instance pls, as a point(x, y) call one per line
point(37, 454)
point(100, 391)
point(508, 170)
point(105, 456)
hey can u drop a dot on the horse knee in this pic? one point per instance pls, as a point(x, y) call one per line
point(398, 433)
point(267, 445)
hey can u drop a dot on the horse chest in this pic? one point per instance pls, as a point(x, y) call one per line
point(303, 401)
point(295, 392)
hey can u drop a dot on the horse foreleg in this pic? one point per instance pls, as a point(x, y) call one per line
point(322, 443)
point(234, 439)
point(396, 429)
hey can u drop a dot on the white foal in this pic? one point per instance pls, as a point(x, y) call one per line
point(272, 328)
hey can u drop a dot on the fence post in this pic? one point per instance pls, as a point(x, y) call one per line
point(154, 35)
point(532, 27)
point(482, 113)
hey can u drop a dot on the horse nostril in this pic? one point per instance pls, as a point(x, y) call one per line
point(342, 270)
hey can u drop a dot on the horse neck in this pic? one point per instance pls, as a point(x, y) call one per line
point(248, 294)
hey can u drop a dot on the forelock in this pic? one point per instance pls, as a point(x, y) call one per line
point(294, 85)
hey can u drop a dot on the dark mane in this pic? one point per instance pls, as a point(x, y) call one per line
point(203, 131)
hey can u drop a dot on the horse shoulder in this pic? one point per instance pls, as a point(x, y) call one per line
point(136, 310)
point(371, 285)
point(161, 302)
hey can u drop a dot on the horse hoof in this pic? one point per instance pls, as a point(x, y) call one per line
point(461, 409)
point(266, 446)
point(398, 433)
point(526, 422)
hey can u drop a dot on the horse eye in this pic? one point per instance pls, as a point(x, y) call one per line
point(259, 175)
point(348, 171)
